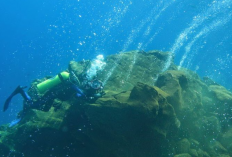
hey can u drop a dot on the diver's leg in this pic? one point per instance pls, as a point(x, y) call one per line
point(42, 103)
point(18, 90)
point(25, 95)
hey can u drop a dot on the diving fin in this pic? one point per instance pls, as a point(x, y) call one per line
point(18, 90)
point(6, 105)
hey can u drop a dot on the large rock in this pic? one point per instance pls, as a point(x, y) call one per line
point(183, 146)
point(181, 115)
point(183, 155)
point(136, 120)
point(216, 149)
point(221, 94)
point(184, 88)
point(132, 121)
point(123, 71)
point(223, 104)
point(206, 107)
point(226, 140)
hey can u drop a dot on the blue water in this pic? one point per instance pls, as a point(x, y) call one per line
point(39, 38)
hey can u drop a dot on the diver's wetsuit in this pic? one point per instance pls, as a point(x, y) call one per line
point(47, 98)
point(44, 103)
point(62, 86)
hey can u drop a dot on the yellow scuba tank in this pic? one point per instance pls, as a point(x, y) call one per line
point(52, 82)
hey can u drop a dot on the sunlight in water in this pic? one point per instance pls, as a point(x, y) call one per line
point(134, 33)
point(156, 16)
point(216, 8)
point(205, 31)
point(112, 19)
point(151, 19)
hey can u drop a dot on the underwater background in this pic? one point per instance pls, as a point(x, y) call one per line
point(39, 38)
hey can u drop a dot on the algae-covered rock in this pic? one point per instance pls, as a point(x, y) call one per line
point(144, 112)
point(183, 87)
point(124, 70)
point(216, 149)
point(183, 155)
point(4, 149)
point(109, 127)
point(206, 128)
point(202, 153)
point(193, 152)
point(135, 123)
point(223, 104)
point(194, 144)
point(226, 139)
point(221, 93)
point(208, 81)
point(229, 148)
point(78, 67)
point(171, 82)
point(183, 146)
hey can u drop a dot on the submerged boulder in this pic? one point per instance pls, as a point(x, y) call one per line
point(183, 146)
point(144, 112)
point(129, 120)
point(123, 71)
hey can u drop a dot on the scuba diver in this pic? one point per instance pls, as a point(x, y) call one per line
point(62, 86)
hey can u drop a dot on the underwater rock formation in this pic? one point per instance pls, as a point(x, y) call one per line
point(144, 113)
